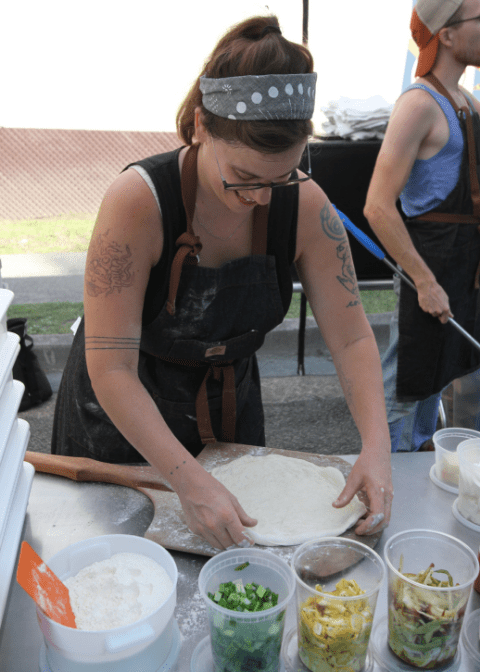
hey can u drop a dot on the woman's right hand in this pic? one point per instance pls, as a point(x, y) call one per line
point(212, 512)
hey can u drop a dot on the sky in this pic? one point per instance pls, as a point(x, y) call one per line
point(105, 65)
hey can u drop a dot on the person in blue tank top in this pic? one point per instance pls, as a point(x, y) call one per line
point(428, 162)
point(189, 267)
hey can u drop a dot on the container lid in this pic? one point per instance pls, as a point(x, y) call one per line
point(470, 637)
point(445, 486)
point(6, 297)
point(389, 662)
point(126, 665)
point(462, 519)
point(13, 532)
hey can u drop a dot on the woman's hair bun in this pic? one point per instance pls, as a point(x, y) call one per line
point(270, 29)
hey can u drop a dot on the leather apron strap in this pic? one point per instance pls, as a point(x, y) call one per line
point(189, 247)
point(188, 243)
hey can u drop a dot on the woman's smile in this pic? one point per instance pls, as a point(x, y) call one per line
point(245, 201)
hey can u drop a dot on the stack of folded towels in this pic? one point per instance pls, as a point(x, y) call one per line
point(356, 119)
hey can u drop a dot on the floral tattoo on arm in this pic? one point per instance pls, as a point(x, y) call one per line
point(333, 228)
point(109, 267)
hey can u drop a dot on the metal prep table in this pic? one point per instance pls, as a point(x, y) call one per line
point(61, 512)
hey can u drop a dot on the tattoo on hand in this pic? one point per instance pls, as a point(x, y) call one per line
point(333, 228)
point(111, 343)
point(109, 267)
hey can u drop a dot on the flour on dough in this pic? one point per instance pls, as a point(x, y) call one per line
point(290, 497)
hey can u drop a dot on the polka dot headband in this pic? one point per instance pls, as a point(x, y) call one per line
point(260, 97)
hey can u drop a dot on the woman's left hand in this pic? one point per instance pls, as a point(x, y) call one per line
point(371, 474)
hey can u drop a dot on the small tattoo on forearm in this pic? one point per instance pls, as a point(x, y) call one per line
point(111, 343)
point(109, 267)
point(333, 228)
point(184, 462)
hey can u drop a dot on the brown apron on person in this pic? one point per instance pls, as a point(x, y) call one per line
point(197, 356)
point(432, 354)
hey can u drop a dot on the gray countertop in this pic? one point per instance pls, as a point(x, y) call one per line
point(61, 512)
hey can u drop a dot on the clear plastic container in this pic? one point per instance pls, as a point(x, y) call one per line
point(334, 631)
point(466, 401)
point(468, 502)
point(471, 642)
point(247, 640)
point(424, 622)
point(144, 645)
point(446, 442)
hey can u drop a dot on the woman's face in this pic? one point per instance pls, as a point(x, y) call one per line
point(239, 164)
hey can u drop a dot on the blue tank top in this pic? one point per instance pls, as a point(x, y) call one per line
point(432, 180)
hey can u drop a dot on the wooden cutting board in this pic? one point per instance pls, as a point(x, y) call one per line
point(168, 527)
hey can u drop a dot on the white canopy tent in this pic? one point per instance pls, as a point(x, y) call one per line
point(105, 65)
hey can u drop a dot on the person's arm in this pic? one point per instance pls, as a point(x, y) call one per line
point(411, 130)
point(325, 267)
point(125, 245)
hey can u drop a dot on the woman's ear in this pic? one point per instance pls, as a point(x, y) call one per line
point(201, 134)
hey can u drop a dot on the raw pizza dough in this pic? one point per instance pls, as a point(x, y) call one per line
point(290, 497)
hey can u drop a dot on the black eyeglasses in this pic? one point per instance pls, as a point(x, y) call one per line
point(260, 185)
point(454, 23)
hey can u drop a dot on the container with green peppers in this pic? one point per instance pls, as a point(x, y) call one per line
point(246, 593)
point(430, 579)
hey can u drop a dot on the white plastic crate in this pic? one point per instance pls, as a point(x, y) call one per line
point(6, 297)
point(10, 468)
point(13, 532)
point(15, 475)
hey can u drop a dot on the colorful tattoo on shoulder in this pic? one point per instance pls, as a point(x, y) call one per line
point(109, 267)
point(111, 343)
point(333, 228)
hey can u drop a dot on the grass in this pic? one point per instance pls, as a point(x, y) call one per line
point(47, 318)
point(66, 233)
point(57, 318)
point(374, 301)
point(71, 233)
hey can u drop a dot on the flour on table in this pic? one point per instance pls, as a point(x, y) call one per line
point(290, 497)
point(117, 591)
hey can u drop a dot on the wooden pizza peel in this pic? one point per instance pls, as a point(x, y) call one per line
point(168, 527)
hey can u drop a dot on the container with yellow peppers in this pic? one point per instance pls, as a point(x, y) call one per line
point(338, 581)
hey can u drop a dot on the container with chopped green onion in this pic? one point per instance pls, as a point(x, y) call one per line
point(246, 608)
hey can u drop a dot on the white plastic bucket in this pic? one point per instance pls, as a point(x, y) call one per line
point(148, 640)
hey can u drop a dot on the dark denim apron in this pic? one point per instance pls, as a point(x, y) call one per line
point(207, 345)
point(431, 354)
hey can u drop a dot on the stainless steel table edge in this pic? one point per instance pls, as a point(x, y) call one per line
point(61, 512)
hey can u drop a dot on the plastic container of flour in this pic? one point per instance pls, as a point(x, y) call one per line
point(143, 645)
